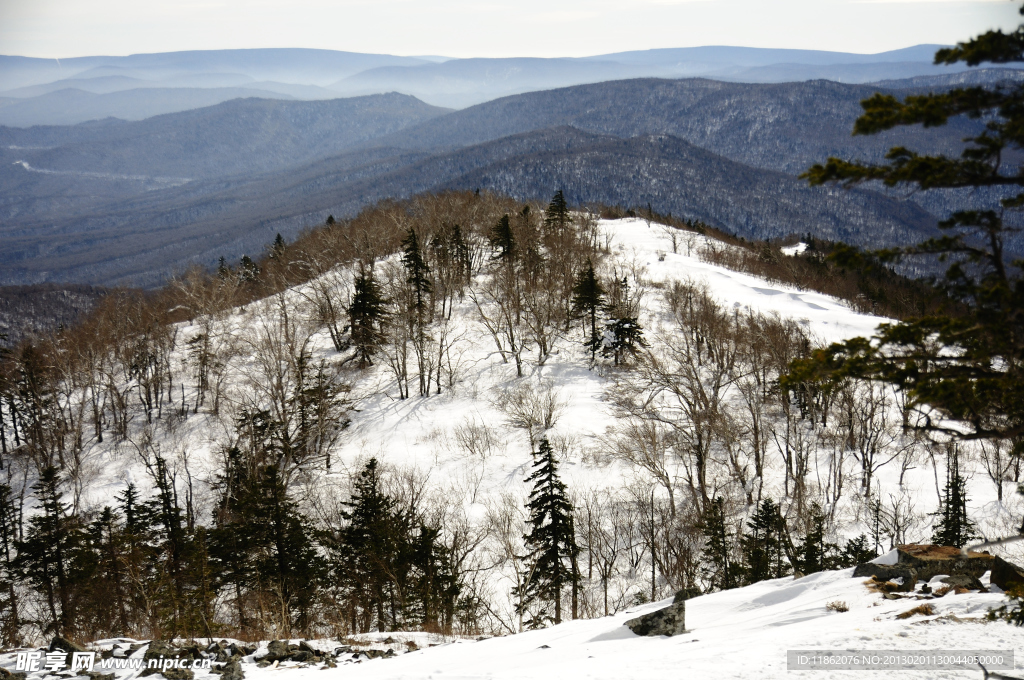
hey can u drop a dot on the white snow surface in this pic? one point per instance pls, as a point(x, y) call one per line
point(740, 633)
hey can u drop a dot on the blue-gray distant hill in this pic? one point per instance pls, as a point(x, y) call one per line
point(457, 83)
point(130, 202)
point(141, 240)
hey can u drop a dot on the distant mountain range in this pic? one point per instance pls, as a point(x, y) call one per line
point(132, 202)
point(51, 92)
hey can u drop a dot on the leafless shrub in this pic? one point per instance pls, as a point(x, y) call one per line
point(531, 408)
point(837, 606)
point(476, 438)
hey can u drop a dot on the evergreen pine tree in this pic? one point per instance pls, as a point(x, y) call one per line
point(54, 557)
point(762, 545)
point(418, 270)
point(278, 247)
point(369, 550)
point(459, 254)
point(966, 362)
point(720, 570)
point(263, 545)
point(503, 240)
point(953, 526)
point(10, 605)
point(815, 553)
point(557, 217)
point(552, 540)
point(624, 336)
point(366, 316)
point(587, 301)
point(110, 611)
point(248, 270)
point(856, 551)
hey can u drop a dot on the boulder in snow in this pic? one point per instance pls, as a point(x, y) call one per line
point(1006, 575)
point(904, 577)
point(668, 621)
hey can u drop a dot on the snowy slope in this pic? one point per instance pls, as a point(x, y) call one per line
point(420, 435)
point(740, 633)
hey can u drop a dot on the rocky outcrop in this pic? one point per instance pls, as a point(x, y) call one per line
point(1006, 575)
point(923, 562)
point(930, 561)
point(668, 621)
point(904, 578)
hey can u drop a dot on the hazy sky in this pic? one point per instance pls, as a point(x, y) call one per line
point(487, 28)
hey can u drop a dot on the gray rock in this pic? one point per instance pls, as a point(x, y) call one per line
point(64, 645)
point(1006, 575)
point(94, 675)
point(277, 650)
point(885, 572)
point(178, 674)
point(232, 670)
point(964, 581)
point(930, 561)
point(668, 621)
point(161, 649)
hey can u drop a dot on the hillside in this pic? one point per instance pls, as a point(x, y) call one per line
point(171, 395)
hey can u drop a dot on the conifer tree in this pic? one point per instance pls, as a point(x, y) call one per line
point(721, 571)
point(856, 551)
point(418, 275)
point(552, 539)
point(624, 336)
point(262, 545)
point(557, 217)
point(278, 247)
point(953, 526)
point(815, 553)
point(965, 364)
point(54, 557)
point(368, 550)
point(503, 240)
point(587, 301)
point(366, 317)
point(107, 537)
point(763, 552)
point(248, 271)
point(10, 606)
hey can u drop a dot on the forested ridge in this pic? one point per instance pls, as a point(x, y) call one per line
point(235, 405)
